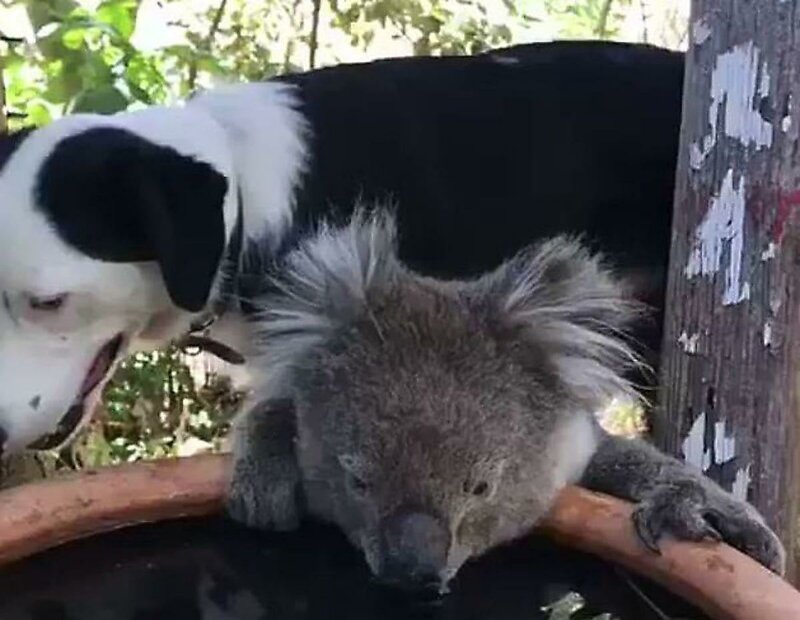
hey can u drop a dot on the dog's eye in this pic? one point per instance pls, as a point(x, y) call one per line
point(47, 304)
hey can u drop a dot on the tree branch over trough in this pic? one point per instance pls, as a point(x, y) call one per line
point(313, 40)
point(602, 22)
point(207, 44)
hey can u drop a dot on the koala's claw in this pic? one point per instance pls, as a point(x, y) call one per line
point(263, 502)
point(687, 511)
point(751, 536)
point(651, 524)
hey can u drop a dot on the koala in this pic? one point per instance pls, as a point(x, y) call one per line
point(434, 420)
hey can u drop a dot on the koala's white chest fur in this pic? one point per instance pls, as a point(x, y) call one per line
point(570, 449)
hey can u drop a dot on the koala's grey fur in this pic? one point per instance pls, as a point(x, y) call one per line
point(434, 420)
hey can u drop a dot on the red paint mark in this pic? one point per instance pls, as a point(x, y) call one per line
point(786, 204)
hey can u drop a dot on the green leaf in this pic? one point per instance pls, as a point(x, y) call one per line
point(104, 100)
point(94, 73)
point(120, 15)
point(52, 45)
point(74, 38)
point(137, 92)
point(182, 52)
point(38, 113)
point(502, 33)
point(209, 63)
point(63, 86)
point(144, 79)
point(111, 55)
point(13, 61)
point(41, 12)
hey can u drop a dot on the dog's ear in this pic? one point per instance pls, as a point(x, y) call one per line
point(117, 197)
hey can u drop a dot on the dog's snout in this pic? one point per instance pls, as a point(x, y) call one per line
point(415, 547)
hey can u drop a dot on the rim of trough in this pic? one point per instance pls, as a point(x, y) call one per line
point(721, 581)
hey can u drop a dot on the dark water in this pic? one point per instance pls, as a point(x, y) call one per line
point(214, 570)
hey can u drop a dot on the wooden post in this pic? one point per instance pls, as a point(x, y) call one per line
point(729, 381)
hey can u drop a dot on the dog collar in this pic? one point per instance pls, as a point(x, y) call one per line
point(197, 336)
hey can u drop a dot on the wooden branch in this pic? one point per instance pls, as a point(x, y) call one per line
point(731, 353)
point(643, 13)
point(724, 583)
point(313, 39)
point(208, 43)
point(601, 30)
point(43, 514)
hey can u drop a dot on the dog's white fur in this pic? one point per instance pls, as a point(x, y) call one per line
point(249, 133)
point(269, 149)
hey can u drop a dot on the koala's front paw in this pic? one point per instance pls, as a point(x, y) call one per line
point(689, 511)
point(265, 500)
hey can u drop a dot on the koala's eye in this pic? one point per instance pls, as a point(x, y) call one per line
point(479, 489)
point(358, 485)
point(47, 304)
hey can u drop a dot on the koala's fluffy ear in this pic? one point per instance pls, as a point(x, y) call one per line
point(323, 285)
point(560, 297)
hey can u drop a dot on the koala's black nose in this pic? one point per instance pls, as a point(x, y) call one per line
point(415, 546)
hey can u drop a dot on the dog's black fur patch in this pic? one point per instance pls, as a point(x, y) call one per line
point(117, 197)
point(485, 154)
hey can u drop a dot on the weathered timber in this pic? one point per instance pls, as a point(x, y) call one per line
point(729, 377)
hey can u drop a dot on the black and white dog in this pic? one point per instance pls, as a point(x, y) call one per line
point(121, 232)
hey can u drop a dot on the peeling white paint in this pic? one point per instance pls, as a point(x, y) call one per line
point(693, 445)
point(767, 333)
point(741, 484)
point(700, 31)
point(770, 253)
point(689, 343)
point(786, 121)
point(697, 454)
point(775, 301)
point(763, 86)
point(696, 156)
point(737, 82)
point(733, 81)
point(724, 221)
point(724, 446)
